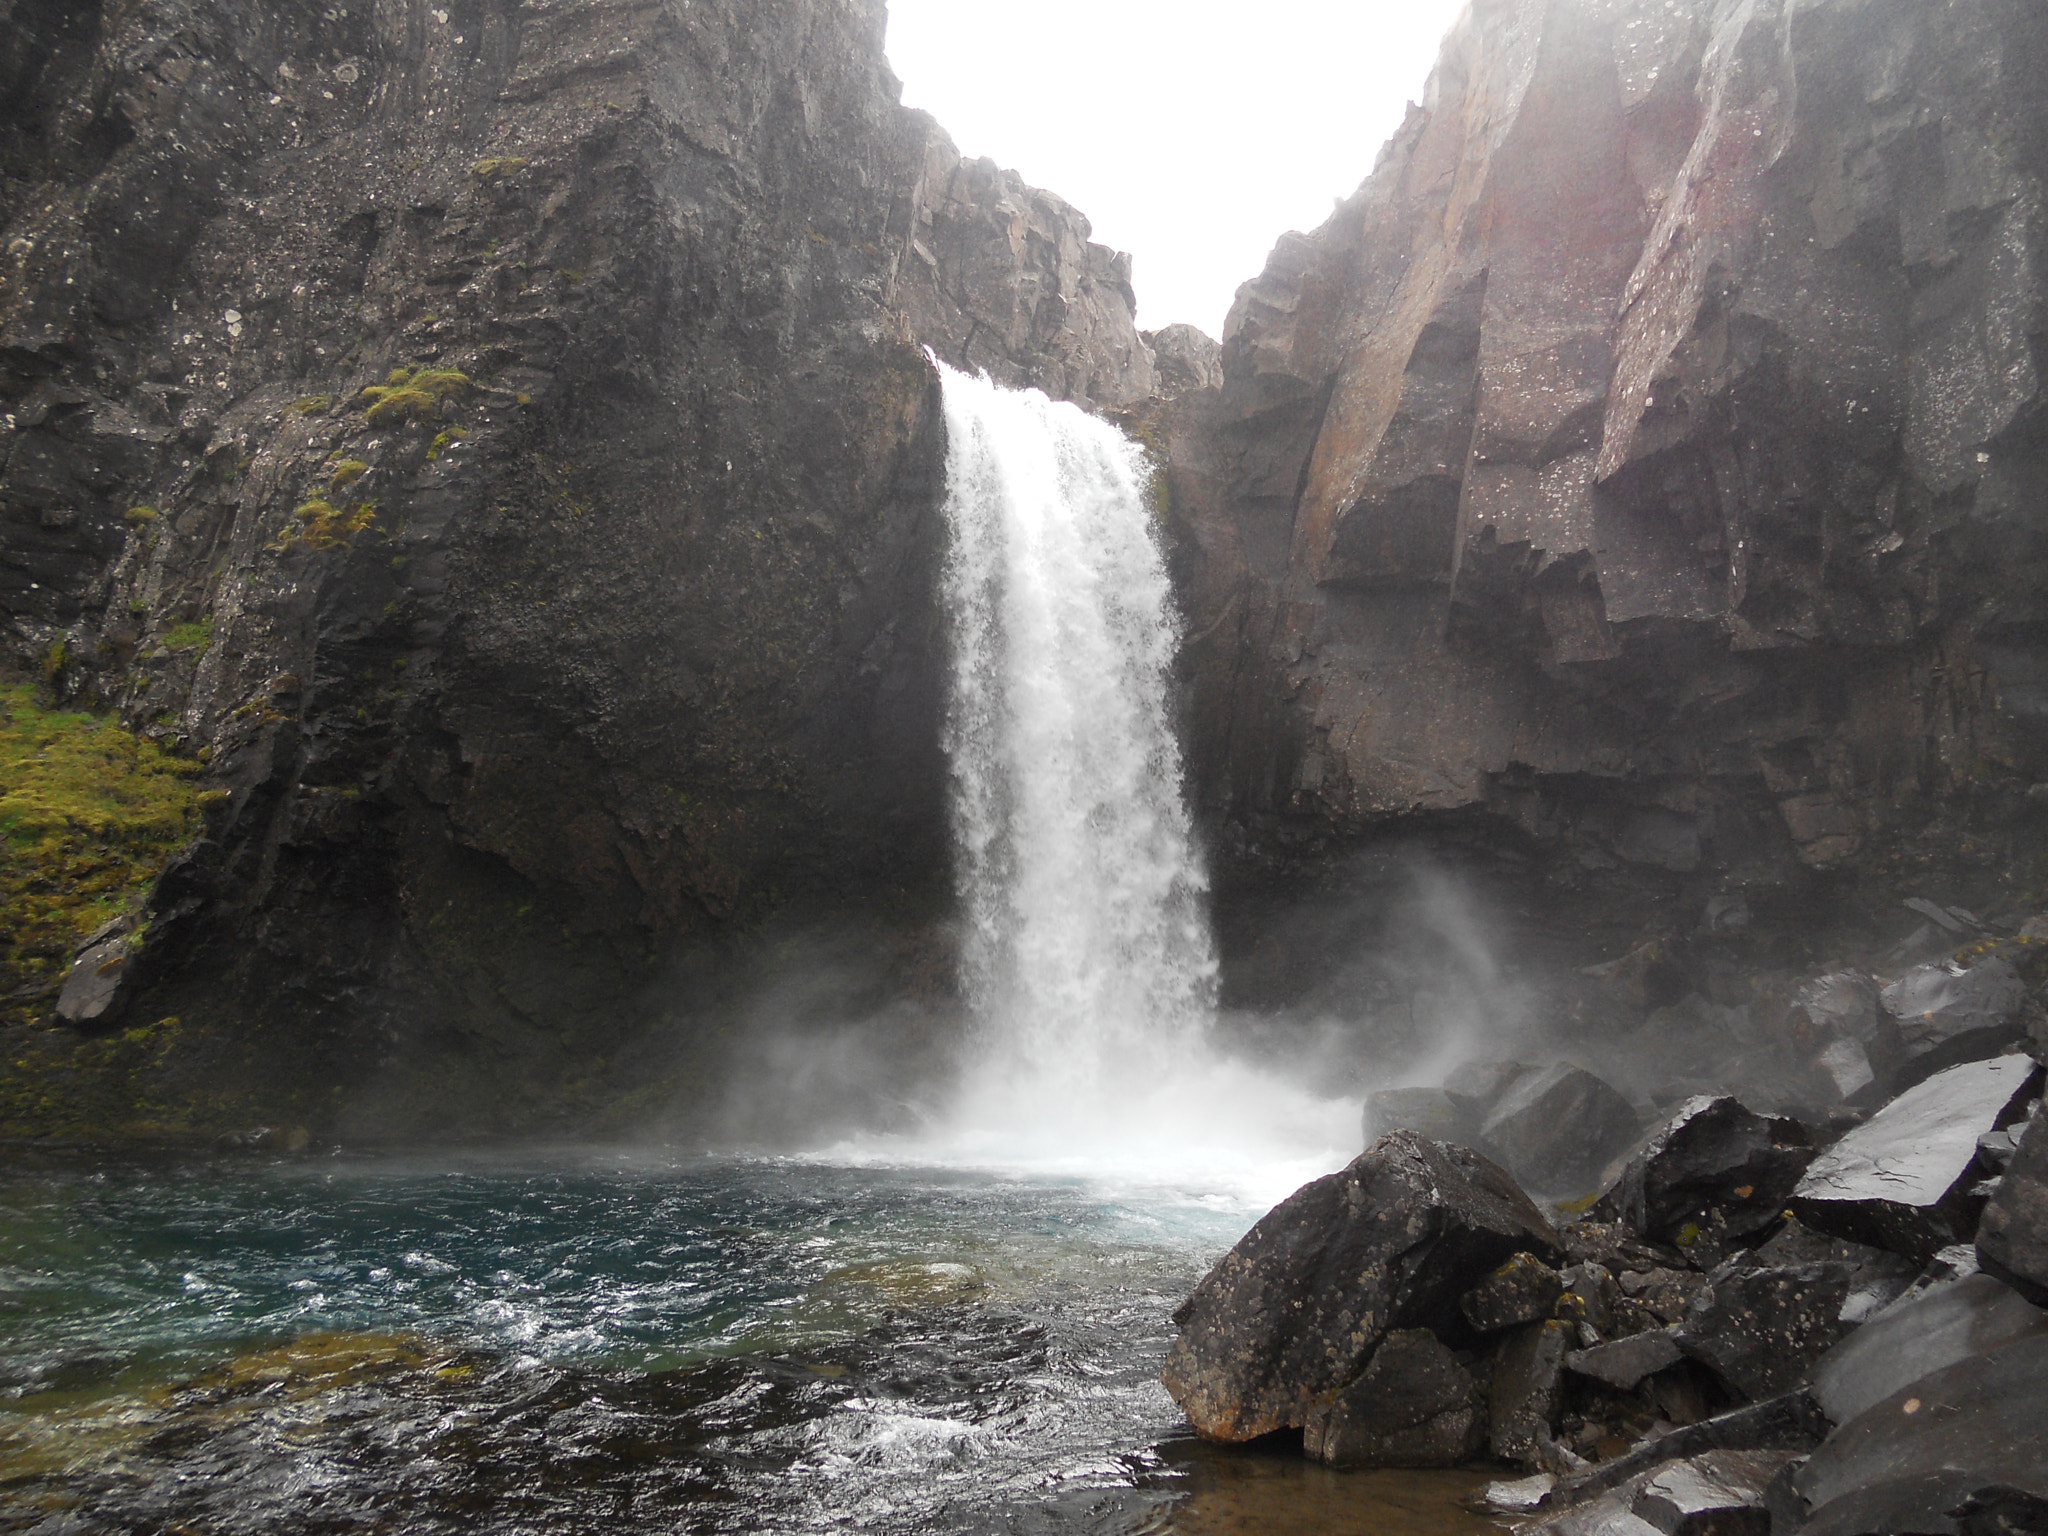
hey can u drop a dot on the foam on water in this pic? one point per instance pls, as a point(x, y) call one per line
point(1088, 962)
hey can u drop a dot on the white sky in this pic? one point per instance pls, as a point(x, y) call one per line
point(1193, 133)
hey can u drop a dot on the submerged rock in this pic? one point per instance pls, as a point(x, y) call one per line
point(1556, 1129)
point(1413, 1406)
point(1902, 1179)
point(1296, 1310)
point(2012, 1237)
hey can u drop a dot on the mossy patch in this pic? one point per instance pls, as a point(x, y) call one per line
point(196, 636)
point(346, 474)
point(498, 167)
point(88, 815)
point(322, 525)
point(413, 394)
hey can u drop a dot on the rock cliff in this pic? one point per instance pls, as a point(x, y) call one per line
point(1647, 469)
point(494, 436)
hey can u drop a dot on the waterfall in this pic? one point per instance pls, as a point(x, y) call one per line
point(1087, 958)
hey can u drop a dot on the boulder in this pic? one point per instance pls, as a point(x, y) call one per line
point(1626, 1363)
point(1296, 1310)
point(1523, 1290)
point(1901, 1179)
point(1556, 1129)
point(1718, 1493)
point(1426, 1111)
point(1760, 1329)
point(92, 987)
point(1710, 1156)
point(1918, 1337)
point(1948, 1013)
point(1413, 1406)
point(1975, 1429)
point(2012, 1238)
point(1478, 1085)
point(1525, 1393)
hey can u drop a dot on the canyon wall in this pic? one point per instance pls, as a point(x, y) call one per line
point(1644, 475)
point(600, 629)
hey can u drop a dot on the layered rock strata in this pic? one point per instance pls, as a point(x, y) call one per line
point(1648, 461)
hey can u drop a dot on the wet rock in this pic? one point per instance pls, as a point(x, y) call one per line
point(1665, 1294)
point(1719, 1493)
point(1519, 1496)
point(92, 987)
point(1523, 1290)
point(1904, 1464)
point(1478, 1085)
point(1901, 1179)
point(1298, 1307)
point(1948, 1013)
point(1760, 1329)
point(1918, 1337)
point(2012, 1238)
point(1556, 1129)
point(1711, 1156)
point(1601, 1517)
point(1414, 1405)
point(1624, 1363)
point(1426, 1111)
point(2001, 1512)
point(1525, 1393)
point(1790, 1423)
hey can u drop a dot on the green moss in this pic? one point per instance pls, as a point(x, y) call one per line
point(88, 815)
point(498, 167)
point(312, 405)
point(322, 525)
point(191, 637)
point(442, 440)
point(141, 515)
point(413, 394)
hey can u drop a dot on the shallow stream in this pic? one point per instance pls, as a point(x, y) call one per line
point(622, 1343)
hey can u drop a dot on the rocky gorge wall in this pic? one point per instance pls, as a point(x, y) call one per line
point(1640, 482)
point(493, 437)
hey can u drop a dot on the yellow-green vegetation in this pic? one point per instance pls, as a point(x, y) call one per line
point(140, 516)
point(346, 474)
point(413, 394)
point(322, 525)
point(498, 167)
point(312, 405)
point(442, 440)
point(88, 815)
point(195, 636)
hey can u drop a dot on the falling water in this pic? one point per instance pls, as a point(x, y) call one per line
point(1088, 960)
point(1088, 947)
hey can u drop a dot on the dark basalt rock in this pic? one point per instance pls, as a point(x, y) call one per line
point(2012, 1237)
point(1902, 1179)
point(1918, 1337)
point(1711, 1159)
point(1761, 1329)
point(1414, 1405)
point(1526, 1381)
point(1972, 1430)
point(1790, 1423)
point(1720, 1493)
point(1523, 1290)
point(1556, 1129)
point(1625, 1363)
point(1426, 1111)
point(1296, 1310)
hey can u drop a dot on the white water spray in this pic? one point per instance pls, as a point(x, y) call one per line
point(1088, 961)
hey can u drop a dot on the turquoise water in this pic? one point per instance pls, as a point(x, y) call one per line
point(605, 1343)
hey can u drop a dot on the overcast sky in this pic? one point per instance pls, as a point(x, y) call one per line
point(1191, 132)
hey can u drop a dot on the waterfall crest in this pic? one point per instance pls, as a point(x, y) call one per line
point(1087, 950)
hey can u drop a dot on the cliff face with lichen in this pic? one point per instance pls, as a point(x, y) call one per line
point(493, 438)
point(1646, 471)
